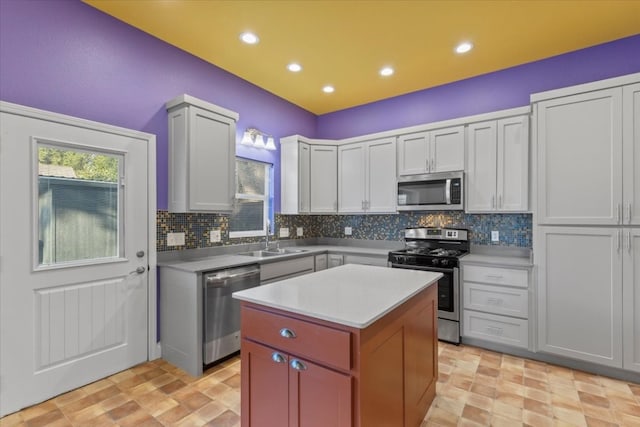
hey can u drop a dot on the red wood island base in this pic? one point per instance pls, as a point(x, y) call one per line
point(301, 371)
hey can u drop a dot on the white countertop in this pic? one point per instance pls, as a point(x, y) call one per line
point(352, 295)
point(505, 261)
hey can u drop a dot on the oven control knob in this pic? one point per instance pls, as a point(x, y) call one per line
point(444, 262)
point(435, 261)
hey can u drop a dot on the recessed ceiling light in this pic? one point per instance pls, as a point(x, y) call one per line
point(294, 67)
point(464, 47)
point(386, 71)
point(328, 89)
point(249, 38)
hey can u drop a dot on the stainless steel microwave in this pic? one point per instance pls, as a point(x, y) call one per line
point(431, 192)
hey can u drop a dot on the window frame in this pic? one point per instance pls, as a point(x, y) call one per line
point(265, 198)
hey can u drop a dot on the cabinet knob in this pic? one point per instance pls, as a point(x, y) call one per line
point(278, 358)
point(287, 333)
point(298, 365)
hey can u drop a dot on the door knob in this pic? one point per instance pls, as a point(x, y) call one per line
point(140, 254)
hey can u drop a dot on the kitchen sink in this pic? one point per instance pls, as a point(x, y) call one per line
point(273, 252)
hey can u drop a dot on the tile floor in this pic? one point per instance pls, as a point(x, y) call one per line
point(475, 388)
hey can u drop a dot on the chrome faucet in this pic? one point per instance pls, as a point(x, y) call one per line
point(266, 237)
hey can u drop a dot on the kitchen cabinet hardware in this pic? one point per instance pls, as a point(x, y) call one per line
point(495, 301)
point(495, 276)
point(287, 333)
point(298, 365)
point(618, 214)
point(629, 210)
point(278, 358)
point(139, 270)
point(494, 330)
point(629, 242)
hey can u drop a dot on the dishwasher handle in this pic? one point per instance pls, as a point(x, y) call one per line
point(222, 279)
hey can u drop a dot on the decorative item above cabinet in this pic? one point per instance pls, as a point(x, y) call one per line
point(201, 156)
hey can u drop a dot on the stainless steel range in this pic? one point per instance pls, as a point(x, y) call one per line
point(437, 249)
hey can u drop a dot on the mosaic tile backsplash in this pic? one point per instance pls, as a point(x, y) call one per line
point(515, 229)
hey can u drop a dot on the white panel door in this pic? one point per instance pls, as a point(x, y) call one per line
point(631, 292)
point(631, 151)
point(351, 178)
point(413, 153)
point(513, 164)
point(580, 159)
point(324, 179)
point(382, 188)
point(447, 149)
point(481, 167)
point(304, 175)
point(580, 293)
point(74, 248)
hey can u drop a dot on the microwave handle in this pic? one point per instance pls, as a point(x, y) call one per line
point(447, 191)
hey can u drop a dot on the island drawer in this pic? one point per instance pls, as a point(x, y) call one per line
point(317, 342)
point(496, 275)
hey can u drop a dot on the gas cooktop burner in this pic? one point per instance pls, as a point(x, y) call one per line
point(434, 252)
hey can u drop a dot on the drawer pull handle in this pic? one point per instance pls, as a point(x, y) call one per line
point(287, 333)
point(494, 301)
point(298, 365)
point(494, 330)
point(492, 276)
point(278, 358)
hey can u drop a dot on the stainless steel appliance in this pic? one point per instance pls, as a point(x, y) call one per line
point(431, 192)
point(222, 312)
point(437, 249)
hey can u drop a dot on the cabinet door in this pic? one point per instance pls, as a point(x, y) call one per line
point(513, 164)
point(351, 178)
point(335, 260)
point(304, 175)
point(211, 161)
point(381, 176)
point(319, 397)
point(324, 179)
point(580, 293)
point(631, 151)
point(447, 149)
point(631, 292)
point(265, 372)
point(321, 262)
point(579, 145)
point(481, 167)
point(413, 153)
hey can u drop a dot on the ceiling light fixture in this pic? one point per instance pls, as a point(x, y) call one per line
point(255, 138)
point(249, 38)
point(328, 89)
point(386, 71)
point(464, 47)
point(294, 67)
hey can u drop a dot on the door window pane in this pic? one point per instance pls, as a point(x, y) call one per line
point(78, 205)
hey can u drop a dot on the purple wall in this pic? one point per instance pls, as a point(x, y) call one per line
point(500, 90)
point(67, 57)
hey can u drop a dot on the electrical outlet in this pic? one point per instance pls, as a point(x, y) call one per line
point(299, 231)
point(495, 236)
point(284, 232)
point(348, 231)
point(214, 235)
point(175, 239)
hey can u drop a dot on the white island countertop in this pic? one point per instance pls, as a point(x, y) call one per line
point(352, 295)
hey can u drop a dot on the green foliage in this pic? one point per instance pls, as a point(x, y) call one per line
point(90, 166)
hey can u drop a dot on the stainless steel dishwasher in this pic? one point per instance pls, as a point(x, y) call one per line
point(222, 312)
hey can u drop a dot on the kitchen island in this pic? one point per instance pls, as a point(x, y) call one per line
point(350, 346)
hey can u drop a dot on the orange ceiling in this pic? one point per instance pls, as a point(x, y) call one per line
point(345, 43)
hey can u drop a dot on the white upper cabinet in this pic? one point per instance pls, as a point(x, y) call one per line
point(580, 167)
point(201, 156)
point(498, 165)
point(295, 175)
point(323, 179)
point(631, 154)
point(367, 177)
point(440, 150)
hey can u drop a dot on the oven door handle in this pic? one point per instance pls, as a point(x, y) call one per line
point(422, 268)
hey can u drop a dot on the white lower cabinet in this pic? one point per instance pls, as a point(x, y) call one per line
point(321, 262)
point(496, 304)
point(366, 260)
point(335, 260)
point(631, 302)
point(580, 294)
point(281, 270)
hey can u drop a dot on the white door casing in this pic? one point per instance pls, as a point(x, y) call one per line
point(68, 324)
